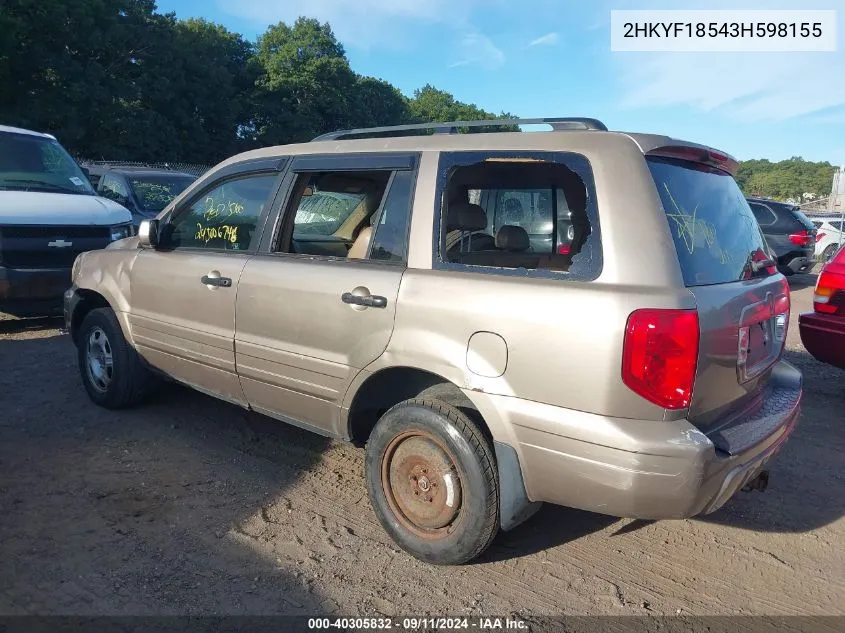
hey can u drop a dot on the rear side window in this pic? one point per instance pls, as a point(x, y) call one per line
point(764, 214)
point(716, 235)
point(521, 213)
point(802, 219)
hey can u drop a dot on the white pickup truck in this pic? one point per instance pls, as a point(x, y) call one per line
point(49, 213)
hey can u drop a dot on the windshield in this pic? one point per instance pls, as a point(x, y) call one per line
point(155, 192)
point(323, 212)
point(36, 163)
point(716, 235)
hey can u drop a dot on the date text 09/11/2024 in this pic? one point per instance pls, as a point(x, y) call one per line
point(413, 624)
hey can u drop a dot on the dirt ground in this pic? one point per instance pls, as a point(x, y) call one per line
point(191, 506)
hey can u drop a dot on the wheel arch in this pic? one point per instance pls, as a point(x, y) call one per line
point(88, 300)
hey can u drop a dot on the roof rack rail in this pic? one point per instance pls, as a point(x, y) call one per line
point(451, 127)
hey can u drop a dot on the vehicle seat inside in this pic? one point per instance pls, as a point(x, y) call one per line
point(511, 247)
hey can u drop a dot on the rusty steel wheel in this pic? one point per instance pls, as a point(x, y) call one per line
point(432, 480)
point(421, 484)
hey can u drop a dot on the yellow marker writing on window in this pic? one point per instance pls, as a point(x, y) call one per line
point(224, 232)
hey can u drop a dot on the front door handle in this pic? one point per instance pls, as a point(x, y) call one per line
point(220, 282)
point(369, 301)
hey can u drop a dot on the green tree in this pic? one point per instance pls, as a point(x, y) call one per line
point(115, 79)
point(430, 104)
point(305, 84)
point(789, 178)
point(376, 103)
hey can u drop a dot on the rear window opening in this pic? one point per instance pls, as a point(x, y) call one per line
point(519, 213)
point(716, 235)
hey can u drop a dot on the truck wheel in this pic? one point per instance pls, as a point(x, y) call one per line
point(432, 480)
point(111, 370)
point(828, 253)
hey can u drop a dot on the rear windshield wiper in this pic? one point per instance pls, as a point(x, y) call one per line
point(757, 266)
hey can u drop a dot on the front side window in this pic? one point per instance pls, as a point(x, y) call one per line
point(225, 217)
point(156, 192)
point(332, 210)
point(525, 212)
point(37, 163)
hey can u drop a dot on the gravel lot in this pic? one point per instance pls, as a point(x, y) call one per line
point(191, 506)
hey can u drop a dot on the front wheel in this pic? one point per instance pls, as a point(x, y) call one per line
point(111, 371)
point(432, 481)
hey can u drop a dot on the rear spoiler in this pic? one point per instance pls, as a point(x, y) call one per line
point(698, 154)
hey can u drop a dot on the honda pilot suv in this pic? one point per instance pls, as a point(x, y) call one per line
point(613, 342)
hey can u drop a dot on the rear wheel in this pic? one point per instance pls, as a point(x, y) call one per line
point(828, 253)
point(432, 481)
point(111, 370)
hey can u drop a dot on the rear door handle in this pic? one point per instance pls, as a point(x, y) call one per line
point(220, 282)
point(369, 301)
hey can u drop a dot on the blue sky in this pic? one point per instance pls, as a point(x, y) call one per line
point(552, 58)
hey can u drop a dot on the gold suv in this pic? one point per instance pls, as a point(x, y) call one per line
point(575, 316)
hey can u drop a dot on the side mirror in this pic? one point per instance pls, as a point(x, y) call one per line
point(148, 233)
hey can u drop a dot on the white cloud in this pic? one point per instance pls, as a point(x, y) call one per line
point(743, 86)
point(546, 40)
point(364, 24)
point(477, 49)
point(746, 86)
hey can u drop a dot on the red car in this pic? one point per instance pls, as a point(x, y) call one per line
point(823, 330)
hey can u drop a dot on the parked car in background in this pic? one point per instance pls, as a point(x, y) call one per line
point(829, 236)
point(49, 214)
point(145, 191)
point(789, 233)
point(823, 329)
point(381, 291)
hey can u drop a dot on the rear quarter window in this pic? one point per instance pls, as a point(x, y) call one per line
point(716, 235)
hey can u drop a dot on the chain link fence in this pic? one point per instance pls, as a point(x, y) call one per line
point(188, 168)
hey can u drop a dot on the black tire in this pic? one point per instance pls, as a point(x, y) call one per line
point(828, 253)
point(128, 380)
point(472, 520)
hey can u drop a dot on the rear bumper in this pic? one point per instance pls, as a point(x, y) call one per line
point(648, 469)
point(31, 292)
point(799, 264)
point(824, 337)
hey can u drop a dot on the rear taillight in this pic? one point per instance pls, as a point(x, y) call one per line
point(660, 354)
point(819, 236)
point(829, 295)
point(563, 249)
point(801, 238)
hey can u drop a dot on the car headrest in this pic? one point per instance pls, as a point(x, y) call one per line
point(512, 238)
point(464, 216)
point(576, 198)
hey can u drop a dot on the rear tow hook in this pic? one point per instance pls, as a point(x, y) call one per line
point(760, 482)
